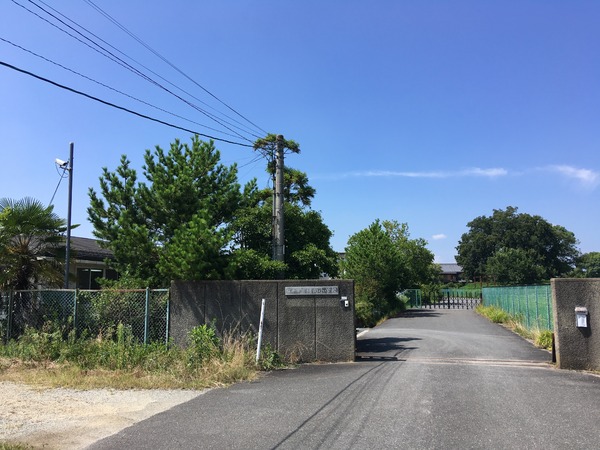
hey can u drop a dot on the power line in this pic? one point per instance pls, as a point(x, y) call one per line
point(147, 68)
point(113, 20)
point(144, 116)
point(128, 66)
point(108, 54)
point(111, 88)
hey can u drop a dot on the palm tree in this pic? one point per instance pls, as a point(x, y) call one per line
point(31, 239)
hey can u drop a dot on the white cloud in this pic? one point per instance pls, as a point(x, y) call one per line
point(472, 172)
point(437, 237)
point(494, 172)
point(585, 177)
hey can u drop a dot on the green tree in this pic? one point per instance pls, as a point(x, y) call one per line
point(383, 260)
point(587, 266)
point(514, 266)
point(31, 244)
point(307, 239)
point(174, 225)
point(536, 249)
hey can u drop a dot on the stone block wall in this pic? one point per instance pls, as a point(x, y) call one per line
point(307, 321)
point(576, 347)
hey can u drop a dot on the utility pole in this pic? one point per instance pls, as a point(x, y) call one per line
point(68, 244)
point(278, 221)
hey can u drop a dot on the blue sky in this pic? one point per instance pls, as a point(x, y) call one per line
point(425, 112)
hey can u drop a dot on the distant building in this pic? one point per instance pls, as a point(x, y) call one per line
point(88, 263)
point(451, 272)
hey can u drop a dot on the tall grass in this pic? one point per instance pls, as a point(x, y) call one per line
point(117, 360)
point(540, 338)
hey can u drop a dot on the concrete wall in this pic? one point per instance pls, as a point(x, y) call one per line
point(576, 348)
point(306, 327)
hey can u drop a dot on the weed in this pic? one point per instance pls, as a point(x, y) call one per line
point(543, 339)
point(115, 359)
point(493, 313)
point(270, 359)
point(14, 446)
point(204, 343)
point(540, 338)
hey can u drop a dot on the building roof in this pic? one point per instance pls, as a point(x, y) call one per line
point(89, 249)
point(451, 268)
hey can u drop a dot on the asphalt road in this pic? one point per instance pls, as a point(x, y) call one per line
point(432, 379)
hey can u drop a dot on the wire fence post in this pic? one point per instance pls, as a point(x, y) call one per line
point(525, 303)
point(75, 310)
point(537, 309)
point(168, 318)
point(147, 316)
point(550, 325)
point(11, 301)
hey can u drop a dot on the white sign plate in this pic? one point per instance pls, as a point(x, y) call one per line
point(312, 290)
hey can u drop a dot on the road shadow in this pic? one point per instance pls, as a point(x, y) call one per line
point(416, 313)
point(382, 349)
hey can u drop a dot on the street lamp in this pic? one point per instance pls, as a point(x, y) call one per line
point(68, 165)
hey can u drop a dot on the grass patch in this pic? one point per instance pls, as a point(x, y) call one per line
point(14, 446)
point(493, 313)
point(540, 338)
point(115, 360)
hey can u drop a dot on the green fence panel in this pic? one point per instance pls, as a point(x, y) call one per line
point(415, 299)
point(530, 305)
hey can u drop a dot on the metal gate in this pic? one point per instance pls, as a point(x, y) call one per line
point(455, 299)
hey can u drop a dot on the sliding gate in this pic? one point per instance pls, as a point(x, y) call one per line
point(453, 299)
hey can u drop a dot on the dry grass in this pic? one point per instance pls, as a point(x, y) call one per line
point(43, 374)
point(103, 364)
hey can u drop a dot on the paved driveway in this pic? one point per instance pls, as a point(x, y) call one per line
point(430, 379)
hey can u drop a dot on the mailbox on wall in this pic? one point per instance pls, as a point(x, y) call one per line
point(581, 316)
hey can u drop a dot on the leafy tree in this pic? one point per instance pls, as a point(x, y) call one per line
point(268, 146)
point(587, 266)
point(308, 251)
point(383, 260)
point(514, 266)
point(176, 224)
point(534, 249)
point(189, 219)
point(31, 244)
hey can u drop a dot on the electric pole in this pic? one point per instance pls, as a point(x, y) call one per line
point(68, 244)
point(278, 216)
point(273, 148)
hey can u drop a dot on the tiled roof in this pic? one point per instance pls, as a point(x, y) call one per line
point(89, 249)
point(451, 268)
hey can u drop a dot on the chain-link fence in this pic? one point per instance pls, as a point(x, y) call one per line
point(530, 305)
point(94, 313)
point(4, 314)
point(415, 298)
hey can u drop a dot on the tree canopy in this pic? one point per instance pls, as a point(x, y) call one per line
point(174, 225)
point(383, 260)
point(189, 218)
point(31, 244)
point(308, 251)
point(516, 248)
point(587, 266)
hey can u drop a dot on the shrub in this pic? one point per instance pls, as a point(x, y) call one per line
point(204, 343)
point(543, 339)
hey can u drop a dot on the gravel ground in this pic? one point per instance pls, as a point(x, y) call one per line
point(72, 419)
